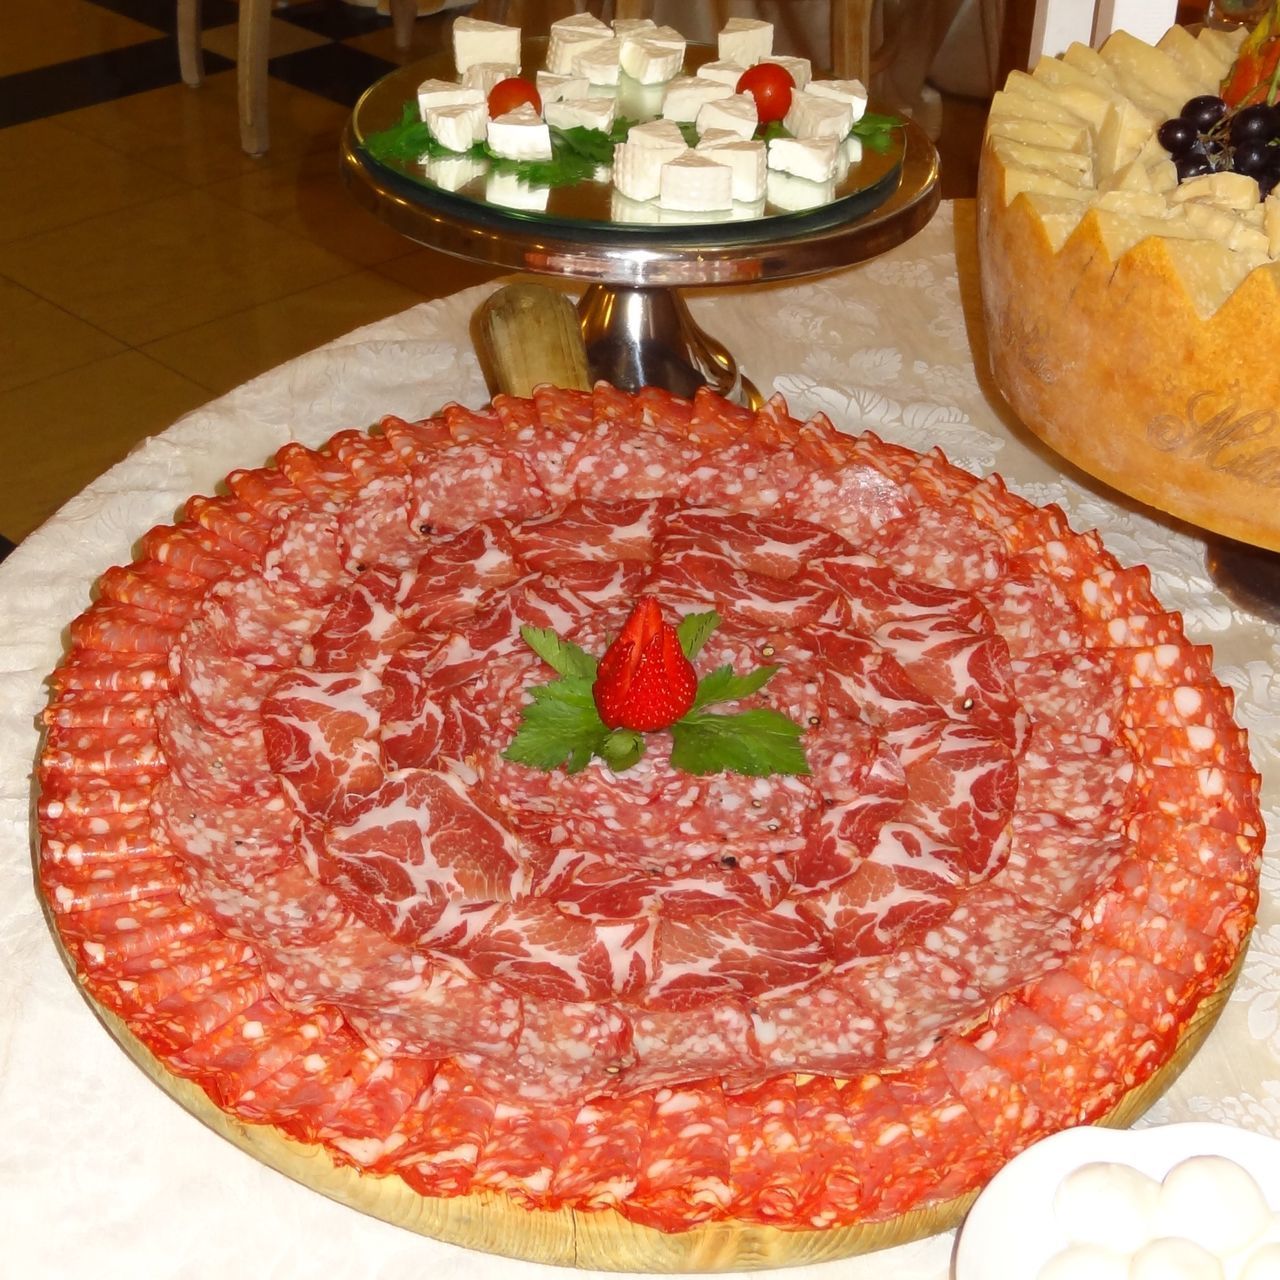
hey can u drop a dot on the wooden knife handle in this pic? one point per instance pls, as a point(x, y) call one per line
point(527, 334)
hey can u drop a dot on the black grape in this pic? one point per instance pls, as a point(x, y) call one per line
point(1177, 136)
point(1252, 123)
point(1252, 157)
point(1204, 112)
point(1192, 166)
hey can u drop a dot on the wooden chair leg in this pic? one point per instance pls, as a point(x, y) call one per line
point(403, 13)
point(190, 53)
point(851, 39)
point(251, 74)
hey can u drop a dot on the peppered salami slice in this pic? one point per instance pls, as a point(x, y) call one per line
point(107, 627)
point(412, 441)
point(447, 1130)
point(460, 484)
point(263, 623)
point(79, 848)
point(665, 412)
point(716, 420)
point(523, 1149)
point(565, 1051)
point(216, 766)
point(598, 1167)
point(472, 425)
point(154, 587)
point(1054, 862)
point(224, 691)
point(909, 545)
point(712, 1040)
point(1080, 777)
point(305, 549)
point(230, 518)
point(853, 499)
point(893, 460)
point(934, 480)
point(1161, 665)
point(619, 460)
point(831, 1028)
point(830, 1188)
point(742, 473)
point(1209, 851)
point(563, 410)
point(1077, 692)
point(764, 1157)
point(1033, 616)
point(684, 1166)
point(375, 531)
point(998, 1102)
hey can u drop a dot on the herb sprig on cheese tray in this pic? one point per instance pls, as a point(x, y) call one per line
point(646, 682)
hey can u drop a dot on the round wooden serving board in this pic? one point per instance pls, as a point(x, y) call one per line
point(605, 1240)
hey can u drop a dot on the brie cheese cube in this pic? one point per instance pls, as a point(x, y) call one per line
point(637, 162)
point(570, 43)
point(854, 92)
point(452, 173)
point(484, 75)
point(785, 191)
point(813, 117)
point(475, 40)
point(624, 27)
point(746, 159)
point(458, 128)
point(521, 134)
point(554, 88)
point(736, 115)
point(599, 63)
point(580, 22)
point(814, 159)
point(725, 72)
point(745, 41)
point(800, 68)
point(580, 113)
point(445, 93)
point(687, 96)
point(695, 183)
point(513, 192)
point(653, 56)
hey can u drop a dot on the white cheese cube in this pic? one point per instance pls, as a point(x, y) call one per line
point(696, 183)
point(599, 63)
point(736, 115)
point(484, 75)
point(812, 158)
point(800, 68)
point(452, 173)
point(580, 113)
point(747, 160)
point(745, 41)
point(458, 128)
point(521, 134)
point(637, 163)
point(1271, 224)
point(554, 88)
point(687, 96)
point(850, 154)
point(810, 117)
point(1226, 190)
point(624, 27)
point(653, 56)
point(513, 192)
point(785, 191)
point(569, 44)
point(445, 93)
point(475, 40)
point(854, 92)
point(725, 72)
point(580, 22)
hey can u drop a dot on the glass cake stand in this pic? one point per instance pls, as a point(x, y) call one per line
point(636, 327)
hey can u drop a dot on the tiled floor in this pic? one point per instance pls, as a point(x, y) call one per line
point(147, 264)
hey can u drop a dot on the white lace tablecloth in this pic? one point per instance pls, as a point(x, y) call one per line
point(101, 1174)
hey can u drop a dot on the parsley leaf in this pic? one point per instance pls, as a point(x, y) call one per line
point(622, 748)
point(561, 726)
point(591, 144)
point(695, 630)
point(755, 743)
point(562, 656)
point(409, 140)
point(723, 686)
point(875, 130)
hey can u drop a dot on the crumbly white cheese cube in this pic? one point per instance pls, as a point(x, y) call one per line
point(812, 158)
point(813, 117)
point(850, 154)
point(746, 158)
point(459, 128)
point(600, 63)
point(745, 40)
point(445, 93)
point(570, 43)
point(1271, 224)
point(580, 22)
point(653, 56)
point(580, 113)
point(475, 40)
point(786, 191)
point(695, 183)
point(736, 115)
point(725, 72)
point(513, 192)
point(521, 134)
point(484, 75)
point(624, 27)
point(554, 88)
point(854, 92)
point(1225, 190)
point(452, 173)
point(800, 68)
point(686, 96)
point(637, 162)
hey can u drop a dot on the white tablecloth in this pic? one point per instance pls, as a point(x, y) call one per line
point(101, 1174)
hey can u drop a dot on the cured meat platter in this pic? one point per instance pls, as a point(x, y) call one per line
point(291, 860)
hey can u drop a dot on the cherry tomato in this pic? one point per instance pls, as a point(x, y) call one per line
point(511, 93)
point(771, 86)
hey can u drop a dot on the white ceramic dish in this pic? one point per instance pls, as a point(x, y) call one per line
point(1011, 1231)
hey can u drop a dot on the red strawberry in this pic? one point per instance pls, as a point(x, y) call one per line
point(644, 681)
